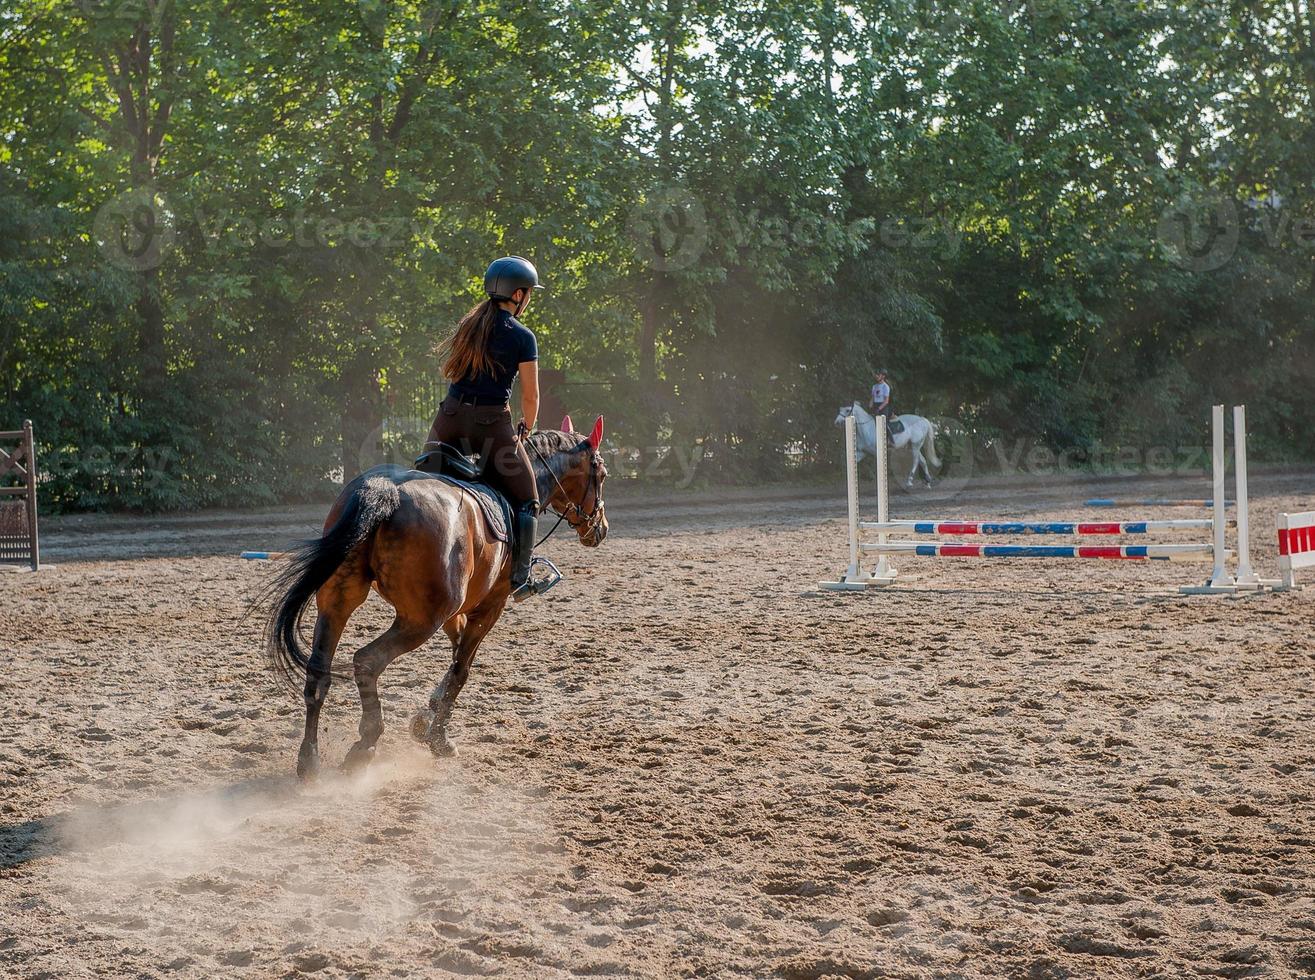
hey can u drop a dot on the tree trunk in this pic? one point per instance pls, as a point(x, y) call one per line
point(150, 334)
point(649, 402)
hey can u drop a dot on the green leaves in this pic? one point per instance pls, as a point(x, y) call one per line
point(739, 210)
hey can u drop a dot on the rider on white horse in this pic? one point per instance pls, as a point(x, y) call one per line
point(880, 403)
point(916, 432)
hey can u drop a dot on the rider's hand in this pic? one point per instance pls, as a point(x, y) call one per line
point(522, 430)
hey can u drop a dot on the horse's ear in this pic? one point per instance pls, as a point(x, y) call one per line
point(596, 437)
point(566, 424)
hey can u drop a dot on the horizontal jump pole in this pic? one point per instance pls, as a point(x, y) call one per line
point(264, 555)
point(1038, 527)
point(1152, 502)
point(1133, 552)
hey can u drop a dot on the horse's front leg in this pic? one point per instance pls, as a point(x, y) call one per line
point(464, 646)
point(423, 719)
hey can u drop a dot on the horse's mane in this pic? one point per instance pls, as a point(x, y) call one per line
point(558, 448)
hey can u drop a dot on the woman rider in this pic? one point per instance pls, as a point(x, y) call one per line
point(488, 351)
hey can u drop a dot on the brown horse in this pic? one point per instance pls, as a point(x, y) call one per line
point(425, 547)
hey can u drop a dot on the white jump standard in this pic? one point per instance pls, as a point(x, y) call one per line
point(855, 578)
point(1215, 550)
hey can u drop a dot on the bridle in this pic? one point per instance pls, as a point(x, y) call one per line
point(587, 523)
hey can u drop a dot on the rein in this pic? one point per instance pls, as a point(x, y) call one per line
point(589, 522)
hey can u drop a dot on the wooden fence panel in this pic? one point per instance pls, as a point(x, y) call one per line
point(18, 498)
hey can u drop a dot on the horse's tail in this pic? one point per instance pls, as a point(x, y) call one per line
point(930, 445)
point(371, 502)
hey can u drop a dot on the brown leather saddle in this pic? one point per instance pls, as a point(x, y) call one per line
point(442, 458)
point(449, 464)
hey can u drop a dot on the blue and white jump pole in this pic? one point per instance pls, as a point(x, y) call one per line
point(1215, 550)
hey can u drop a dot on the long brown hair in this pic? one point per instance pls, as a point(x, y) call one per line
point(466, 353)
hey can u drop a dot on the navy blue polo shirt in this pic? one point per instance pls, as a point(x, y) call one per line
point(510, 345)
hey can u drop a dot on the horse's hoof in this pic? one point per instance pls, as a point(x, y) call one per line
point(358, 757)
point(420, 722)
point(308, 765)
point(442, 748)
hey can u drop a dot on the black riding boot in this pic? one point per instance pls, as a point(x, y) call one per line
point(527, 529)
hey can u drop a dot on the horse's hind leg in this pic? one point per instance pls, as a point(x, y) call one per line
point(337, 601)
point(328, 630)
point(922, 465)
point(369, 662)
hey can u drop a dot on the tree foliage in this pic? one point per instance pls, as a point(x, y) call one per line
point(230, 235)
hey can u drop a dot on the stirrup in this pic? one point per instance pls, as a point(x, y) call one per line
point(533, 588)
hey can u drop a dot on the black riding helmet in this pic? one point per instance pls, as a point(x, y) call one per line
point(508, 274)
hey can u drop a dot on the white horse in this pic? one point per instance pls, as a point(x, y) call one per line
point(919, 435)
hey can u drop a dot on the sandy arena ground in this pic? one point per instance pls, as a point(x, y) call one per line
point(685, 761)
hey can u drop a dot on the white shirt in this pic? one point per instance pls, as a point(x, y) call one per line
point(880, 392)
